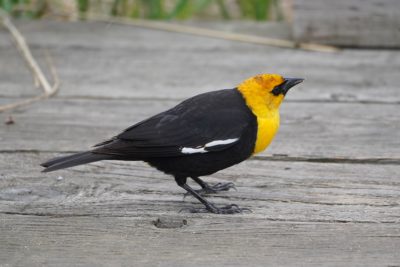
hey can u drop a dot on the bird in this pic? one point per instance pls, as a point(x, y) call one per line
point(198, 137)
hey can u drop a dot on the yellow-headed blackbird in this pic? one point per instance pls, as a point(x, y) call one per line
point(200, 136)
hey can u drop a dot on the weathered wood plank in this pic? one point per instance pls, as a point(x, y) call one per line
point(365, 23)
point(296, 191)
point(220, 241)
point(308, 129)
point(92, 59)
point(103, 214)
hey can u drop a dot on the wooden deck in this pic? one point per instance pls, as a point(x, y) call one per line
point(326, 192)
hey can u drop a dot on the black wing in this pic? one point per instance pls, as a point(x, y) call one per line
point(208, 122)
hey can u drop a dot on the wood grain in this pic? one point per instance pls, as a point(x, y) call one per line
point(216, 241)
point(104, 213)
point(326, 193)
point(329, 130)
point(273, 190)
point(138, 65)
point(356, 23)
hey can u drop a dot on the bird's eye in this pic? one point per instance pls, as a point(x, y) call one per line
point(278, 89)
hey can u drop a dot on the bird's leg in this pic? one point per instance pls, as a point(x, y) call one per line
point(210, 189)
point(210, 207)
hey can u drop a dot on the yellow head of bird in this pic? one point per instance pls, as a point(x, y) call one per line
point(266, 90)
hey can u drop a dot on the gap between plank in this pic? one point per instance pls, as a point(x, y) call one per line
point(333, 101)
point(276, 157)
point(54, 215)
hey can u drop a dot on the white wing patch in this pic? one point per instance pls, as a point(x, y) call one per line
point(221, 142)
point(202, 149)
point(190, 150)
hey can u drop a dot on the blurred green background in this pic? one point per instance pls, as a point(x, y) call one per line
point(258, 10)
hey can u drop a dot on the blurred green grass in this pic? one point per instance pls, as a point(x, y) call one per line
point(259, 10)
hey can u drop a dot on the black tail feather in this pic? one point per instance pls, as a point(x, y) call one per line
point(60, 159)
point(73, 160)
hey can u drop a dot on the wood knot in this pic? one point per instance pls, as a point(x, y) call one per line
point(169, 222)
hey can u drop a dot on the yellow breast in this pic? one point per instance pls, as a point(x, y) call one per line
point(267, 128)
point(256, 92)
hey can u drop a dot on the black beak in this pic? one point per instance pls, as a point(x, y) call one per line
point(286, 85)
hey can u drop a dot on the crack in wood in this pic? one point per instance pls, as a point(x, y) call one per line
point(168, 99)
point(45, 214)
point(303, 202)
point(55, 215)
point(377, 161)
point(276, 157)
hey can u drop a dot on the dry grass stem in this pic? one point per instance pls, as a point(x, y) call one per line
point(38, 77)
point(165, 26)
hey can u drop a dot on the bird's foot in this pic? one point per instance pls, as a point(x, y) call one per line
point(218, 188)
point(228, 209)
point(213, 189)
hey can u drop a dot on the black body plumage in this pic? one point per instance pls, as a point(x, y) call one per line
point(218, 115)
point(200, 136)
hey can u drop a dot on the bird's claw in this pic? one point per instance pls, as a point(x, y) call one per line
point(228, 209)
point(213, 189)
point(220, 187)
